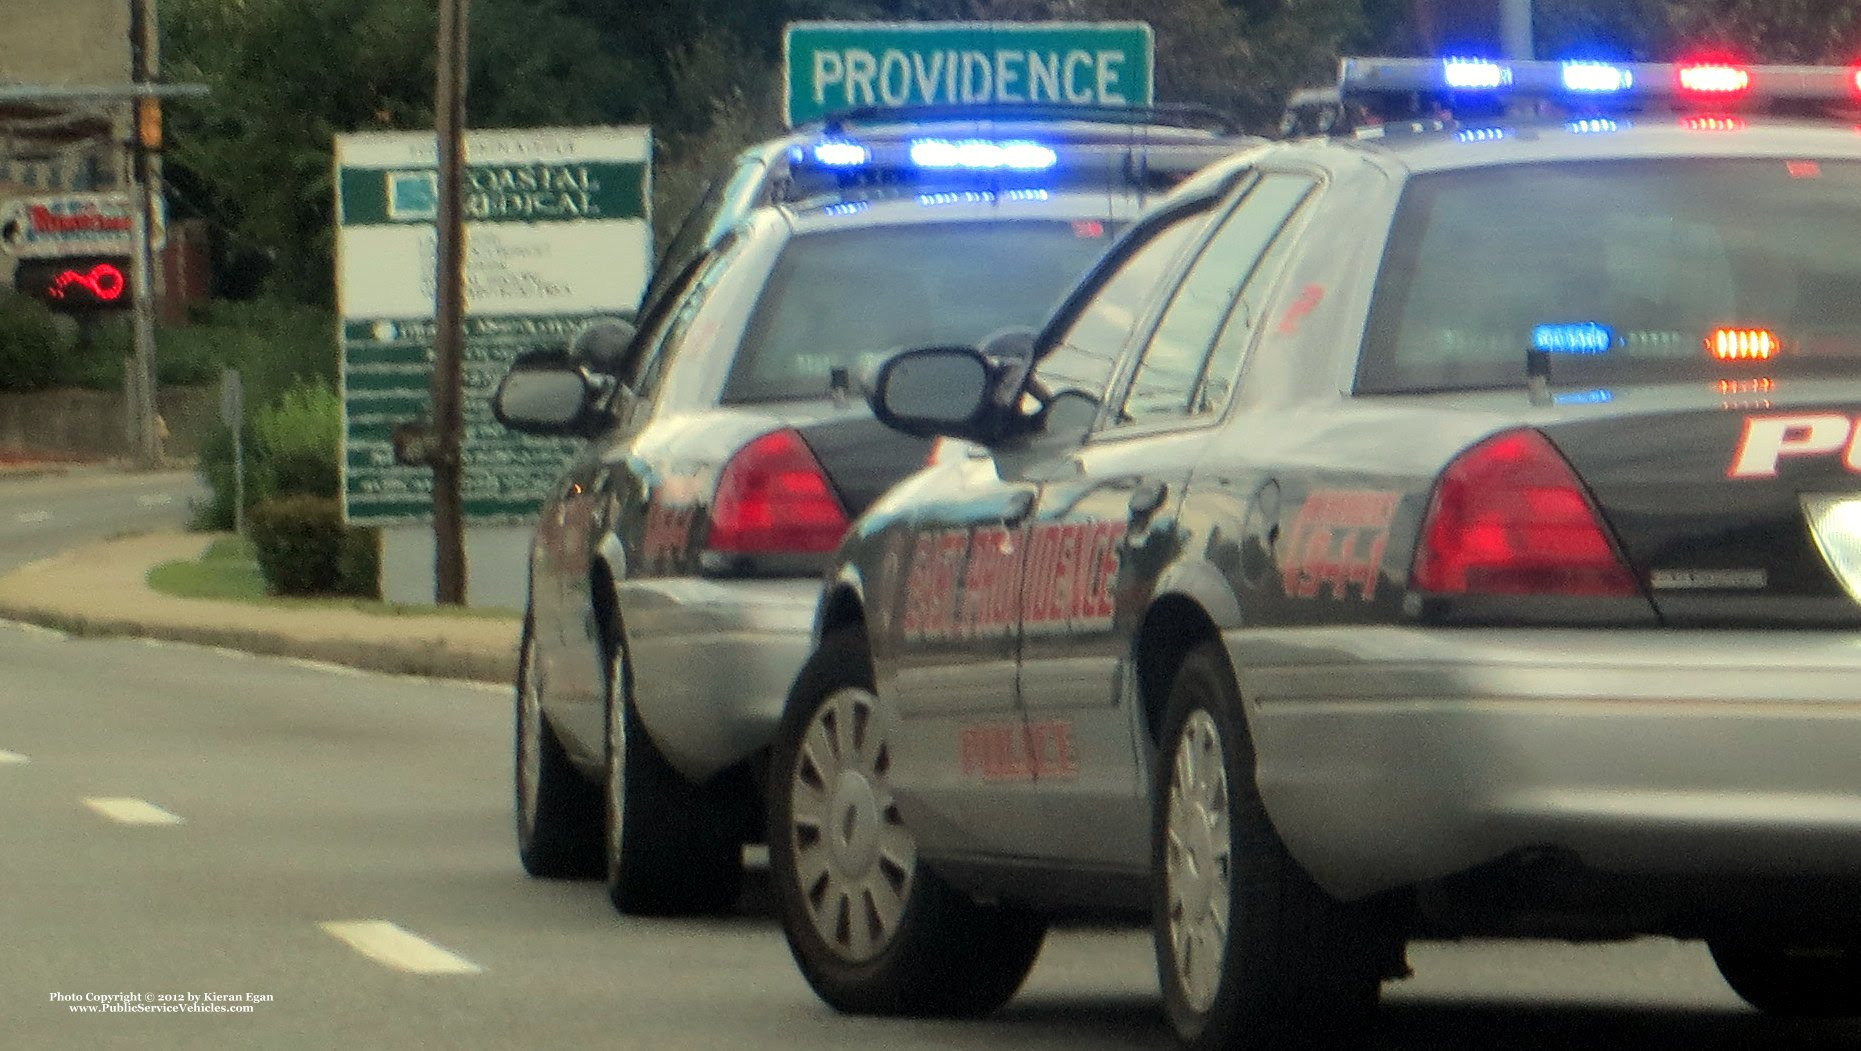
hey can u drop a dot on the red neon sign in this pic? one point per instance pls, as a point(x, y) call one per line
point(105, 282)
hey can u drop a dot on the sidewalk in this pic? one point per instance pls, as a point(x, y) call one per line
point(102, 589)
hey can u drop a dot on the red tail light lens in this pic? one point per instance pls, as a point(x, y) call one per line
point(1509, 517)
point(774, 498)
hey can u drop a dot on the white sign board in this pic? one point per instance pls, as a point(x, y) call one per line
point(68, 224)
point(557, 232)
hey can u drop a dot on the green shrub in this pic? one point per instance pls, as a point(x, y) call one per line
point(303, 548)
point(35, 351)
point(292, 448)
point(296, 440)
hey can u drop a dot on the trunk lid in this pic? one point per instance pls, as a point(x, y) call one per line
point(1706, 487)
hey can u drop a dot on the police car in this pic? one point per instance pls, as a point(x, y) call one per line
point(1448, 528)
point(794, 167)
point(675, 566)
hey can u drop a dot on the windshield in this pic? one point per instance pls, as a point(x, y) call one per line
point(847, 298)
point(1632, 271)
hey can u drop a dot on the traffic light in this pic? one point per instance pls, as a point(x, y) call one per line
point(76, 284)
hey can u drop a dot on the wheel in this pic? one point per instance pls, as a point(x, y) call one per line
point(1784, 980)
point(558, 810)
point(872, 931)
point(673, 848)
point(1251, 953)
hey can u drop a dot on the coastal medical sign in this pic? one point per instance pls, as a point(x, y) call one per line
point(557, 233)
point(834, 66)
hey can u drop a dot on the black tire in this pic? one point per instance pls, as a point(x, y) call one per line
point(1288, 965)
point(921, 948)
point(1802, 982)
point(672, 848)
point(558, 810)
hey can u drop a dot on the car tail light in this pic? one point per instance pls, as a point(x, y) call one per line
point(1508, 517)
point(774, 498)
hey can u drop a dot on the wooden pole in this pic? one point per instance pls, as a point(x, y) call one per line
point(448, 311)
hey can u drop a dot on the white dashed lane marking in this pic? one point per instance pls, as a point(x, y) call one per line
point(155, 500)
point(393, 946)
point(127, 811)
point(30, 517)
point(11, 757)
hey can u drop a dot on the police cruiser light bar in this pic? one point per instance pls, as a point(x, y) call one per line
point(1703, 81)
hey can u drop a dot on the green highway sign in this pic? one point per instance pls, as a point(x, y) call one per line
point(835, 66)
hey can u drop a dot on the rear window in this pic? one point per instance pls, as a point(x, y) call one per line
point(1633, 271)
point(848, 298)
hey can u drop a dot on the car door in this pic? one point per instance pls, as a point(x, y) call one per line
point(1104, 529)
point(572, 524)
point(971, 761)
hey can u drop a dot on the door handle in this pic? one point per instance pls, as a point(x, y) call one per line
point(1146, 498)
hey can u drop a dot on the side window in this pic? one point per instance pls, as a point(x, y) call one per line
point(721, 202)
point(663, 341)
point(1219, 294)
point(1082, 359)
point(1237, 333)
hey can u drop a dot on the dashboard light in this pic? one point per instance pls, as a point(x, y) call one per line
point(1743, 344)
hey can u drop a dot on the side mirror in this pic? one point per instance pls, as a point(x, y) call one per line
point(937, 391)
point(547, 392)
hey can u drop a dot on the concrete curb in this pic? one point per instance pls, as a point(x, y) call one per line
point(427, 658)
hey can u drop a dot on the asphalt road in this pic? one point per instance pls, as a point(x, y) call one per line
point(279, 801)
point(41, 516)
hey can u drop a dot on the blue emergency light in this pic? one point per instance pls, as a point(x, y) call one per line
point(838, 153)
point(1597, 77)
point(982, 154)
point(1579, 337)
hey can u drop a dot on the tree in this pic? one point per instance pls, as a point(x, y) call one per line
point(287, 76)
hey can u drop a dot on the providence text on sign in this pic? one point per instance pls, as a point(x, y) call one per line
point(835, 66)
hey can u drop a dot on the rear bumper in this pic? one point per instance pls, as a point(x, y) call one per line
point(713, 662)
point(1391, 756)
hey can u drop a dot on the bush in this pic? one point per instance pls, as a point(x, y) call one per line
point(35, 351)
point(292, 448)
point(297, 440)
point(303, 548)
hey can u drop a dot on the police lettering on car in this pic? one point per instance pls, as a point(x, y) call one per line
point(1447, 526)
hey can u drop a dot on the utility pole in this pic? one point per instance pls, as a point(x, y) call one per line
point(139, 388)
point(448, 310)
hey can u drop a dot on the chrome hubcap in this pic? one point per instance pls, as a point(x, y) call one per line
point(616, 765)
point(529, 743)
point(854, 860)
point(1198, 860)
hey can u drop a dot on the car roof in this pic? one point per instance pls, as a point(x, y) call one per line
point(1447, 145)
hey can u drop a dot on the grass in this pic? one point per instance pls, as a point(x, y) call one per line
point(228, 571)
